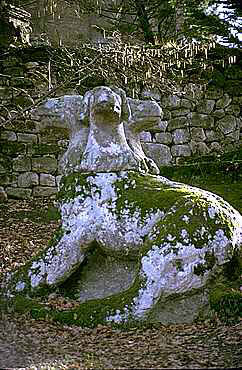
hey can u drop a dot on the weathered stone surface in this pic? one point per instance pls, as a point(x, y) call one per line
point(151, 94)
point(145, 136)
point(159, 152)
point(215, 147)
point(3, 195)
point(227, 124)
point(219, 113)
point(8, 135)
point(28, 179)
point(22, 164)
point(212, 135)
point(233, 136)
point(197, 134)
point(171, 102)
point(206, 106)
point(179, 122)
point(181, 150)
point(223, 102)
point(201, 120)
point(151, 246)
point(18, 193)
point(44, 191)
point(180, 136)
point(47, 180)
point(180, 112)
point(199, 148)
point(163, 138)
point(233, 109)
point(44, 164)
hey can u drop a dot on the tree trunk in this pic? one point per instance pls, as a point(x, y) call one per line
point(144, 21)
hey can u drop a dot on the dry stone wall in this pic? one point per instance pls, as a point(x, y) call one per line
point(194, 124)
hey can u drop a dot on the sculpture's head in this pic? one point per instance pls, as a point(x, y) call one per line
point(105, 103)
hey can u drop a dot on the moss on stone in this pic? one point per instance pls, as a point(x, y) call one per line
point(12, 148)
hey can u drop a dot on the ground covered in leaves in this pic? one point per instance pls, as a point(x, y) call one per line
point(26, 227)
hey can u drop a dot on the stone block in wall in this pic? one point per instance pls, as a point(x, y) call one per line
point(179, 112)
point(28, 179)
point(215, 147)
point(18, 193)
point(22, 164)
point(218, 113)
point(223, 102)
point(44, 164)
point(181, 136)
point(8, 135)
point(53, 134)
point(197, 134)
point(186, 103)
point(44, 191)
point(233, 109)
point(213, 93)
point(8, 179)
point(12, 148)
point(5, 164)
point(201, 120)
point(163, 138)
point(199, 148)
point(43, 149)
point(179, 122)
point(145, 136)
point(227, 124)
point(153, 94)
point(26, 126)
point(206, 106)
point(233, 136)
point(27, 138)
point(182, 150)
point(212, 135)
point(237, 100)
point(47, 179)
point(171, 102)
point(160, 153)
point(166, 114)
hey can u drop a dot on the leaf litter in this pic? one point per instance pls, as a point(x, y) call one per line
point(26, 343)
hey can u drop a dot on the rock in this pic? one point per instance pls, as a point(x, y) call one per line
point(182, 150)
point(27, 138)
point(227, 124)
point(28, 179)
point(180, 136)
point(223, 102)
point(44, 164)
point(201, 120)
point(159, 152)
point(22, 164)
point(178, 122)
point(163, 138)
point(19, 193)
point(47, 179)
point(206, 107)
point(8, 135)
point(197, 134)
point(199, 148)
point(44, 191)
point(143, 248)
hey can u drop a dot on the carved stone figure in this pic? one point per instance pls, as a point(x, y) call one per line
point(143, 247)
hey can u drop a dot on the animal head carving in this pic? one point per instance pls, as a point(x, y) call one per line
point(108, 100)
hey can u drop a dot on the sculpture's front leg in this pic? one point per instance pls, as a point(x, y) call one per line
point(52, 266)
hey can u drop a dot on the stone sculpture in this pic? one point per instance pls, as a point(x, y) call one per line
point(145, 248)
